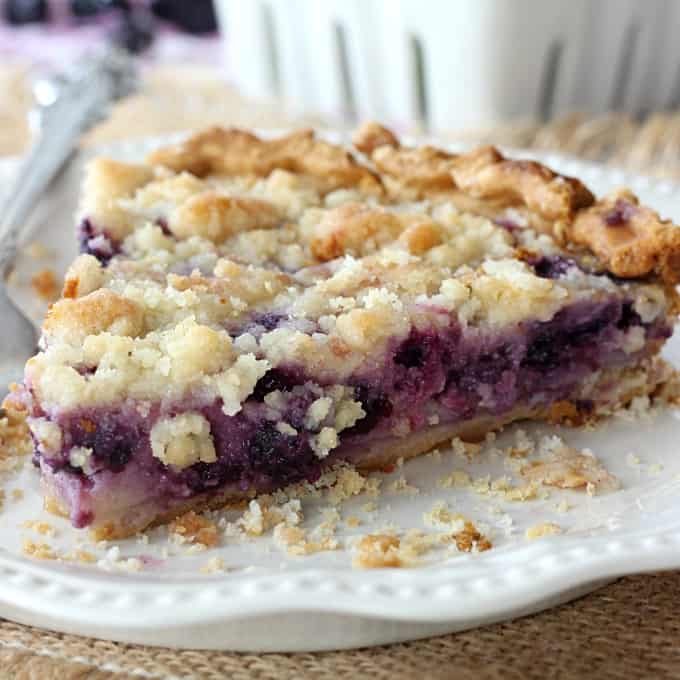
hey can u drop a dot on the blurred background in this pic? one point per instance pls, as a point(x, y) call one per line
point(597, 78)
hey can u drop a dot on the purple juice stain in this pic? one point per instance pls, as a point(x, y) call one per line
point(620, 214)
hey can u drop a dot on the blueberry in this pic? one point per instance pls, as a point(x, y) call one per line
point(629, 317)
point(112, 440)
point(280, 458)
point(25, 11)
point(274, 379)
point(270, 320)
point(552, 266)
point(411, 354)
point(544, 351)
point(96, 243)
point(376, 405)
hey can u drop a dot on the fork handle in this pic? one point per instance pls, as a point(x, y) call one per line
point(82, 102)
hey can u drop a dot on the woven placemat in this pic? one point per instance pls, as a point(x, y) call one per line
point(628, 629)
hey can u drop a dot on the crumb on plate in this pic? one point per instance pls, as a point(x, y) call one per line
point(45, 285)
point(195, 529)
point(544, 529)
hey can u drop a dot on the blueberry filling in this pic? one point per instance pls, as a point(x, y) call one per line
point(376, 405)
point(96, 243)
point(629, 317)
point(552, 266)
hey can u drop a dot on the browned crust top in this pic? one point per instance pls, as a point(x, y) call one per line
point(238, 152)
point(629, 240)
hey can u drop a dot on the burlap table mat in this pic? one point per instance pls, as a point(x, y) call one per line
point(628, 629)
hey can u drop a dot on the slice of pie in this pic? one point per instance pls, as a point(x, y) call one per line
point(247, 313)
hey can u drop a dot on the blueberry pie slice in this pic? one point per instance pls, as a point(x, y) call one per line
point(248, 312)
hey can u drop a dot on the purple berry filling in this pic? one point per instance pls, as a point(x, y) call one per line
point(454, 373)
point(552, 266)
point(96, 242)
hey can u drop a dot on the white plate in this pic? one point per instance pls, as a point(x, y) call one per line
point(268, 601)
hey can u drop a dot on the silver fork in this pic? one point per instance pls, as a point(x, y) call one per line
point(81, 98)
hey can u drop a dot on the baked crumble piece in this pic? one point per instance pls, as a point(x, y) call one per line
point(247, 313)
point(470, 539)
point(541, 530)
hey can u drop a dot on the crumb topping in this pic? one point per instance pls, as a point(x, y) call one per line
point(183, 440)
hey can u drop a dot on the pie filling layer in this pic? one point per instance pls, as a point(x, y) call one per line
point(114, 457)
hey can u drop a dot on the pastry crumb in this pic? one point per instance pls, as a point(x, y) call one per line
point(15, 438)
point(295, 541)
point(114, 561)
point(401, 486)
point(38, 551)
point(214, 565)
point(377, 551)
point(563, 506)
point(40, 527)
point(349, 482)
point(567, 468)
point(45, 285)
point(441, 517)
point(80, 556)
point(470, 539)
point(455, 479)
point(545, 529)
point(465, 449)
point(195, 529)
